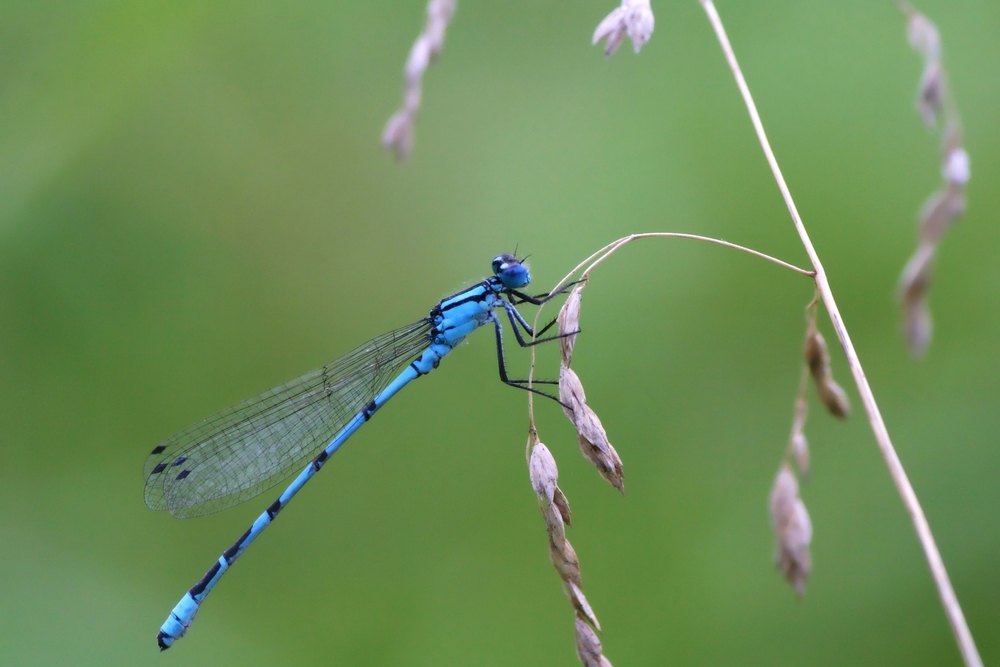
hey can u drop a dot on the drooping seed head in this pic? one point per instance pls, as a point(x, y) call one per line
point(930, 100)
point(569, 323)
point(588, 646)
point(579, 602)
point(913, 286)
point(565, 560)
point(818, 358)
point(633, 18)
point(792, 529)
point(923, 36)
point(800, 448)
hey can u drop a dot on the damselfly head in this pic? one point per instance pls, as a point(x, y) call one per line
point(511, 272)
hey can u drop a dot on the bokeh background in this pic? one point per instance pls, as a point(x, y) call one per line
point(194, 207)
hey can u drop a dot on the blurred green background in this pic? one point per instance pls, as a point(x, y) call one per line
point(194, 207)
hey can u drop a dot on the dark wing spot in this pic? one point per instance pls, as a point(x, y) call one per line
point(158, 449)
point(184, 473)
point(160, 467)
point(179, 461)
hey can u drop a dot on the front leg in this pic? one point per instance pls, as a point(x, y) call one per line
point(542, 298)
point(516, 317)
point(520, 384)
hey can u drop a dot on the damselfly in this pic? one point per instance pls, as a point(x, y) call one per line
point(249, 447)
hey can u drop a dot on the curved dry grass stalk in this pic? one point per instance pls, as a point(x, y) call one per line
point(949, 600)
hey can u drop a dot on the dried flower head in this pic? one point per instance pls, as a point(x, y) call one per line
point(579, 601)
point(565, 560)
point(569, 323)
point(792, 529)
point(923, 35)
point(930, 98)
point(913, 287)
point(592, 437)
point(588, 646)
point(818, 358)
point(398, 133)
point(554, 505)
point(633, 18)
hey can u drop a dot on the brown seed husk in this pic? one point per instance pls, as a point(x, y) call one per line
point(598, 450)
point(592, 437)
point(554, 505)
point(913, 287)
point(543, 471)
point(569, 322)
point(588, 646)
point(565, 561)
point(562, 504)
point(571, 393)
point(818, 359)
point(930, 101)
point(834, 398)
point(579, 601)
point(792, 529)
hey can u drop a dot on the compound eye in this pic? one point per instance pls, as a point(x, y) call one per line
point(497, 266)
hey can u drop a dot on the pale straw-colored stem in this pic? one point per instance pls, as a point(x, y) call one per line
point(949, 601)
point(597, 257)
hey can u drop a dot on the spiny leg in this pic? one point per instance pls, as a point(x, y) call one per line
point(520, 384)
point(542, 298)
point(513, 313)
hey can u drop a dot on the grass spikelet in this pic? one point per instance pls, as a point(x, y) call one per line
point(913, 287)
point(792, 529)
point(588, 646)
point(398, 133)
point(945, 206)
point(569, 323)
point(818, 359)
point(798, 444)
point(592, 437)
point(633, 18)
point(579, 601)
point(544, 476)
point(565, 560)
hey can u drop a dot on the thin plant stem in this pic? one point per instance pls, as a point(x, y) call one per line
point(597, 257)
point(949, 600)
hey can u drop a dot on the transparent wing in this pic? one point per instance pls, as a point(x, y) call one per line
point(245, 449)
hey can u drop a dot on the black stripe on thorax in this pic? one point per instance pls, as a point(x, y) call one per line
point(486, 286)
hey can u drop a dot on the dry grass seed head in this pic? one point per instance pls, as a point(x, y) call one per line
point(565, 560)
point(923, 35)
point(588, 646)
point(913, 287)
point(579, 602)
point(818, 358)
point(592, 437)
point(792, 529)
point(569, 323)
point(930, 98)
point(633, 18)
point(555, 508)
